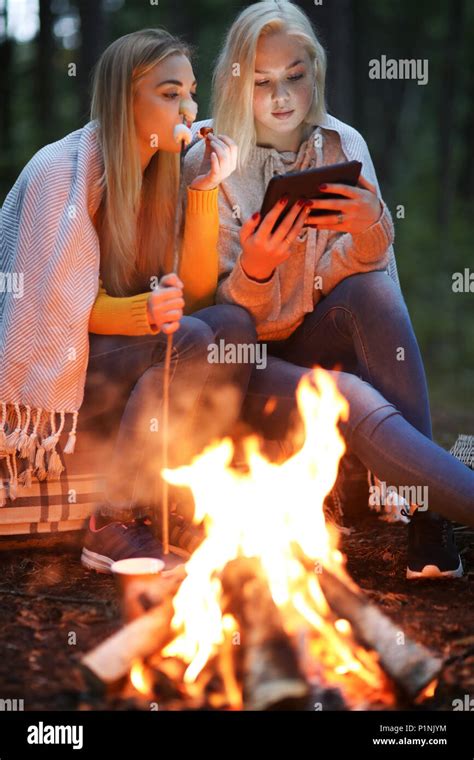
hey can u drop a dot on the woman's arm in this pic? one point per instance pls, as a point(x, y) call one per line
point(261, 299)
point(158, 310)
point(120, 316)
point(349, 253)
point(199, 261)
point(206, 166)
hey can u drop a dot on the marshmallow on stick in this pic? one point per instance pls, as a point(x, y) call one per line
point(182, 134)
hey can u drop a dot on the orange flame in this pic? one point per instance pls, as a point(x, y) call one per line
point(139, 678)
point(273, 512)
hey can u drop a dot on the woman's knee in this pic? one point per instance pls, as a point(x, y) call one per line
point(195, 334)
point(364, 400)
point(231, 323)
point(367, 289)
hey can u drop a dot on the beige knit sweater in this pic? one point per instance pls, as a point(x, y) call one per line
point(320, 259)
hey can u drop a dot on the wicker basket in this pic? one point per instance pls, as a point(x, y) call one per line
point(463, 450)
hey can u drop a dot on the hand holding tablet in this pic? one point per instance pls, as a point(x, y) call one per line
point(306, 185)
point(341, 199)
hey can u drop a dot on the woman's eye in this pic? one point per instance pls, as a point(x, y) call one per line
point(173, 95)
point(291, 79)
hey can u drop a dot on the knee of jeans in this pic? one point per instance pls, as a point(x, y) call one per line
point(198, 334)
point(236, 325)
point(362, 397)
point(378, 285)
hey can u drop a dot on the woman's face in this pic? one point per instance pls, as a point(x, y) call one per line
point(284, 84)
point(156, 103)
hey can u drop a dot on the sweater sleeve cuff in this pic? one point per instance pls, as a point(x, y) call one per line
point(139, 315)
point(253, 294)
point(257, 292)
point(202, 201)
point(377, 238)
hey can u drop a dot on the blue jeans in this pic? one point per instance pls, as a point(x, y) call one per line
point(363, 328)
point(120, 419)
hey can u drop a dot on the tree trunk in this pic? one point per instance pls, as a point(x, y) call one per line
point(6, 56)
point(447, 112)
point(44, 73)
point(92, 44)
point(335, 22)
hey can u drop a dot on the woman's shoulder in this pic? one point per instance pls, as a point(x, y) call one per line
point(350, 137)
point(59, 156)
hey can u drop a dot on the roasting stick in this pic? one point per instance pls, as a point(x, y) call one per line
point(182, 133)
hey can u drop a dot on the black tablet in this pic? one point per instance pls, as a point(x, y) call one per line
point(305, 184)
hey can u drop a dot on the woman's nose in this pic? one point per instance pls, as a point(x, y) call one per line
point(280, 92)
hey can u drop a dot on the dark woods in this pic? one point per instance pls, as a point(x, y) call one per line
point(419, 128)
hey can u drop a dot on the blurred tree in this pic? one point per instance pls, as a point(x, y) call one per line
point(448, 94)
point(334, 22)
point(6, 61)
point(45, 100)
point(93, 36)
point(420, 137)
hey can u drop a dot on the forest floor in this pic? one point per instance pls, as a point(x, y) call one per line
point(52, 610)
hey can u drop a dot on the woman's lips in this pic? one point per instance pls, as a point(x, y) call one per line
point(283, 115)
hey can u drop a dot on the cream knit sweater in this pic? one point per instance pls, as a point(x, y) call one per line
point(320, 259)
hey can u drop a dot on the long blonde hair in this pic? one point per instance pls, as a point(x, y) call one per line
point(137, 216)
point(232, 91)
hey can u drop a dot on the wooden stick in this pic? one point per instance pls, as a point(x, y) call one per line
point(164, 446)
point(166, 386)
point(410, 665)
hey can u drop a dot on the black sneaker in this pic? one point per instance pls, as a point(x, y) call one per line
point(432, 552)
point(116, 540)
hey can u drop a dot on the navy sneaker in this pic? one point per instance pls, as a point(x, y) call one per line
point(432, 552)
point(116, 540)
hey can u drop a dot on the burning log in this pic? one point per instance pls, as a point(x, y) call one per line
point(271, 675)
point(109, 662)
point(410, 665)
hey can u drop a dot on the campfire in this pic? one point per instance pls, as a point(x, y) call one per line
point(263, 615)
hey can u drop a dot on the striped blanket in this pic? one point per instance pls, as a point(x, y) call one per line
point(49, 265)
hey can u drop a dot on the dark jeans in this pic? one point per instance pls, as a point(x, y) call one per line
point(363, 327)
point(123, 402)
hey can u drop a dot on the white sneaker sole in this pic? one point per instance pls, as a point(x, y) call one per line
point(433, 572)
point(94, 561)
point(102, 564)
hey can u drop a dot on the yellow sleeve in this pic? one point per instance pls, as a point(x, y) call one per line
point(199, 259)
point(198, 271)
point(120, 316)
